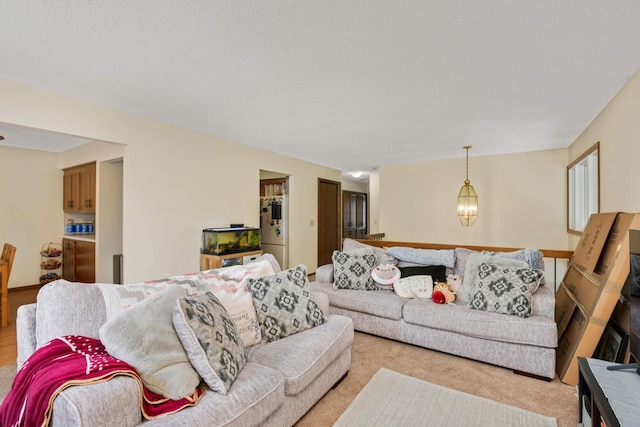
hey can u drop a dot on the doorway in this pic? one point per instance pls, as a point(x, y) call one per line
point(329, 225)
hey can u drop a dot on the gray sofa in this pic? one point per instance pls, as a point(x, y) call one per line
point(280, 383)
point(522, 344)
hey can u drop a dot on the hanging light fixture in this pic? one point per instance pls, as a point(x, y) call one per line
point(467, 199)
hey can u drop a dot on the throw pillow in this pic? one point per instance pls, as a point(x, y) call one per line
point(243, 314)
point(444, 257)
point(284, 304)
point(414, 286)
point(144, 337)
point(437, 272)
point(473, 266)
point(211, 340)
point(381, 254)
point(353, 271)
point(533, 257)
point(505, 290)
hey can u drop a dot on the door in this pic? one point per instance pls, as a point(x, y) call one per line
point(329, 224)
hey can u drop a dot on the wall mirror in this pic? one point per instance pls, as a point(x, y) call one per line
point(583, 189)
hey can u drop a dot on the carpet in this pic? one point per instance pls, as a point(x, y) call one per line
point(7, 374)
point(393, 399)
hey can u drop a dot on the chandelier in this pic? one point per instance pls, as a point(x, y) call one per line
point(467, 199)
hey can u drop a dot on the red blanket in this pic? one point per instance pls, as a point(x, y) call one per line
point(68, 361)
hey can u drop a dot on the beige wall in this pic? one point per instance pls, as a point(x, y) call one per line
point(617, 127)
point(521, 200)
point(31, 212)
point(176, 181)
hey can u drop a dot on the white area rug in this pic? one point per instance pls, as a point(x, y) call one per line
point(393, 399)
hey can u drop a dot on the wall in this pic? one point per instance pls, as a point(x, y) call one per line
point(31, 213)
point(617, 127)
point(521, 200)
point(176, 181)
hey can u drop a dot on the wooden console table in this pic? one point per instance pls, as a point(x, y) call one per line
point(606, 397)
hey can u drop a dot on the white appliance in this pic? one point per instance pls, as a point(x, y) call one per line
point(274, 228)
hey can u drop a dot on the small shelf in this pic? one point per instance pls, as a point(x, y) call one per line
point(49, 262)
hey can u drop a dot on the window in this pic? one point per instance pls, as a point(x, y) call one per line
point(583, 189)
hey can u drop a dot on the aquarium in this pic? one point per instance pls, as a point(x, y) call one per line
point(223, 241)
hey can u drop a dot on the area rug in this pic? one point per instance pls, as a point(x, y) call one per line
point(393, 399)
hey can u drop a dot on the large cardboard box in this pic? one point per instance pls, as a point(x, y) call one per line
point(593, 240)
point(591, 289)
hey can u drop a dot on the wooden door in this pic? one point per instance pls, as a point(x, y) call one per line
point(329, 224)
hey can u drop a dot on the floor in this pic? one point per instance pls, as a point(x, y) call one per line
point(8, 346)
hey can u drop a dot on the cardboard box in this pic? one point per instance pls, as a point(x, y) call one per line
point(585, 287)
point(617, 240)
point(593, 239)
point(578, 335)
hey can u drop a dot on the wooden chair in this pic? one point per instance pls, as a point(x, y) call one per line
point(6, 262)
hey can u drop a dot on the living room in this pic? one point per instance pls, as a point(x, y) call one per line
point(178, 181)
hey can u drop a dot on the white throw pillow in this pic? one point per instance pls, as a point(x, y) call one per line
point(414, 286)
point(144, 337)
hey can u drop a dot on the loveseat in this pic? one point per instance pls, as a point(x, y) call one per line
point(524, 344)
point(279, 383)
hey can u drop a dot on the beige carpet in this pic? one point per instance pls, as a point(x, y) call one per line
point(393, 399)
point(370, 353)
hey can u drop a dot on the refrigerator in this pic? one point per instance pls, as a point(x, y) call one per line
point(274, 224)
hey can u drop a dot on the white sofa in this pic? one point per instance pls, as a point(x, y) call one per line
point(526, 345)
point(281, 381)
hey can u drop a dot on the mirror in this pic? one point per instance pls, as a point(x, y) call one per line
point(583, 189)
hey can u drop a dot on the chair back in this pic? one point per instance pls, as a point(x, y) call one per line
point(8, 254)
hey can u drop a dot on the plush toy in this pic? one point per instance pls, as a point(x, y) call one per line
point(385, 275)
point(442, 294)
point(455, 283)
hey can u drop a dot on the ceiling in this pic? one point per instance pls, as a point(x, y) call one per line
point(347, 84)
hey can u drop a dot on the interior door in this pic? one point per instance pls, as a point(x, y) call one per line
point(329, 224)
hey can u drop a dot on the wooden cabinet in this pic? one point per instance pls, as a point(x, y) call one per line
point(354, 215)
point(78, 260)
point(79, 188)
point(209, 262)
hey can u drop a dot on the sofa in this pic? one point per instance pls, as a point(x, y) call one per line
point(279, 383)
point(524, 344)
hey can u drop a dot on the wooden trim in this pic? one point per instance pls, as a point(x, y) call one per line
point(549, 253)
point(25, 288)
point(594, 147)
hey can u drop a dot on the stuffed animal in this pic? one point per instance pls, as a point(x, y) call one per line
point(455, 283)
point(442, 294)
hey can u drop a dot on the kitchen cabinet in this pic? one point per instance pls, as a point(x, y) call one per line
point(79, 188)
point(78, 260)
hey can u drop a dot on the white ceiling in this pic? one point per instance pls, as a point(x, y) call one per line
point(348, 84)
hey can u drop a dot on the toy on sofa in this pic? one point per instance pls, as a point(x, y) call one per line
point(455, 283)
point(442, 294)
point(385, 275)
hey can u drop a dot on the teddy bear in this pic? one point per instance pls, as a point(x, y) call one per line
point(455, 283)
point(442, 294)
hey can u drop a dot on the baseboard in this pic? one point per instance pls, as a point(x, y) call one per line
point(25, 288)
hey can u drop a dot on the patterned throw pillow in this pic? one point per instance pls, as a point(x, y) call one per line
point(211, 340)
point(505, 290)
point(353, 271)
point(284, 304)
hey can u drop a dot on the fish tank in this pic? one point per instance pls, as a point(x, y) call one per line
point(223, 241)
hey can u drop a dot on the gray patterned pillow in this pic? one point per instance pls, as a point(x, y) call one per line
point(284, 303)
point(353, 271)
point(210, 339)
point(505, 290)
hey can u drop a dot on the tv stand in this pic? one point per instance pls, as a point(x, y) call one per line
point(604, 394)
